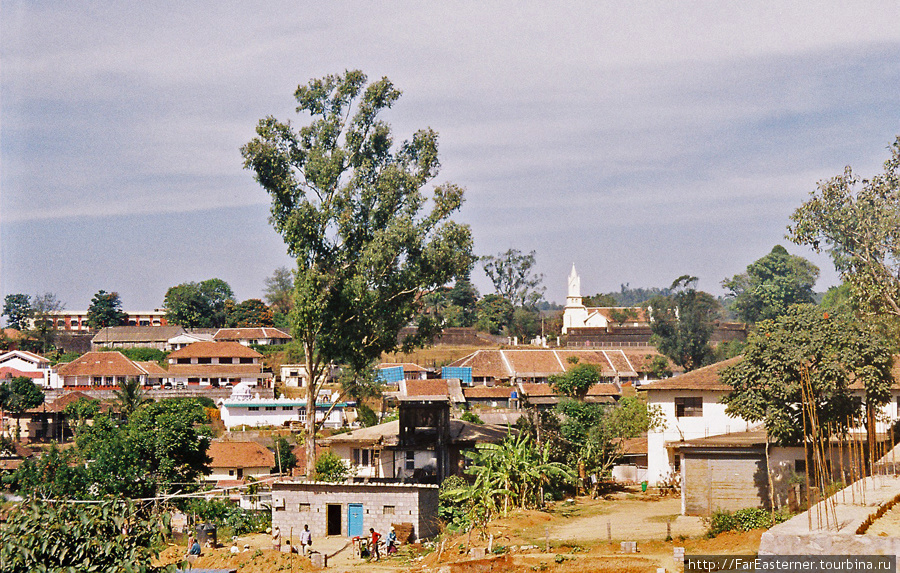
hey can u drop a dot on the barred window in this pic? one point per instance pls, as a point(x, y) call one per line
point(688, 407)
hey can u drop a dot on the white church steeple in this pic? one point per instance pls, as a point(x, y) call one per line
point(575, 313)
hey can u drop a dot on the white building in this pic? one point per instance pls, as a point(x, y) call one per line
point(576, 315)
point(295, 376)
point(186, 339)
point(236, 461)
point(17, 363)
point(692, 408)
point(244, 408)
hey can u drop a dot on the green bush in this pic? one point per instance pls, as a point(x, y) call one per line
point(451, 510)
point(743, 520)
point(112, 536)
point(329, 467)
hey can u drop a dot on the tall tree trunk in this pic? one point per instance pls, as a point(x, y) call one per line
point(870, 434)
point(310, 412)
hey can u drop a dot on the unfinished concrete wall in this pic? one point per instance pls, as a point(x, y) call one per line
point(295, 504)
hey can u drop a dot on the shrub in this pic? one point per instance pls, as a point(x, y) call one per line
point(329, 467)
point(743, 520)
point(451, 509)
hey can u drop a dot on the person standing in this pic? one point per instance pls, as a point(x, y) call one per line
point(392, 542)
point(305, 539)
point(375, 538)
point(276, 539)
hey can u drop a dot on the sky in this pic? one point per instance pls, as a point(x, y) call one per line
point(640, 141)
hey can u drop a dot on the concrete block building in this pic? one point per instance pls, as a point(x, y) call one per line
point(350, 509)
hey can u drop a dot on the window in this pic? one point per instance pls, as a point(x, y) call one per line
point(304, 507)
point(388, 510)
point(287, 408)
point(688, 407)
point(247, 360)
point(226, 360)
point(193, 380)
point(270, 408)
point(231, 472)
point(363, 458)
point(204, 360)
point(676, 462)
point(253, 408)
point(184, 361)
point(410, 460)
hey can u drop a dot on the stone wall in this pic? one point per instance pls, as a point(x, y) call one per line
point(382, 504)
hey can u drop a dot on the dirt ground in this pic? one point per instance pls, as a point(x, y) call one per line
point(578, 540)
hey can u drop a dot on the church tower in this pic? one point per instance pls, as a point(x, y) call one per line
point(575, 313)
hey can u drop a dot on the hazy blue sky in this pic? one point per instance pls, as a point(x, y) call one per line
point(639, 140)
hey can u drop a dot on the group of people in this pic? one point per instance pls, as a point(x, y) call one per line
point(194, 549)
point(375, 538)
point(305, 539)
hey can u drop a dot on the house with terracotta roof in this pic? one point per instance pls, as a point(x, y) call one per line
point(263, 336)
point(294, 375)
point(492, 396)
point(544, 396)
point(103, 370)
point(49, 422)
point(17, 363)
point(509, 366)
point(215, 364)
point(434, 389)
point(691, 407)
point(234, 462)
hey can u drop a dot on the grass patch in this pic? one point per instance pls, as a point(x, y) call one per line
point(662, 518)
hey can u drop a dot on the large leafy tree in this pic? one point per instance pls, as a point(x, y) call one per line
point(43, 330)
point(58, 536)
point(198, 305)
point(493, 313)
point(772, 284)
point(577, 380)
point(858, 222)
point(106, 310)
point(279, 288)
point(251, 312)
point(833, 351)
point(682, 323)
point(513, 277)
point(352, 208)
point(17, 310)
point(19, 394)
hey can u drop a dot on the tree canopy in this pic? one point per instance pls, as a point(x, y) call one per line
point(252, 312)
point(352, 208)
point(17, 310)
point(278, 290)
point(772, 284)
point(198, 305)
point(106, 310)
point(513, 277)
point(858, 222)
point(19, 394)
point(832, 350)
point(682, 323)
point(576, 382)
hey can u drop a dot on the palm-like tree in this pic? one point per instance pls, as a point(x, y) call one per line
point(130, 396)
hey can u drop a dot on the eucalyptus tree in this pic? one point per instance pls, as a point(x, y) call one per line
point(858, 222)
point(368, 238)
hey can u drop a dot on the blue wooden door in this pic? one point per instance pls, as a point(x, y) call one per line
point(354, 520)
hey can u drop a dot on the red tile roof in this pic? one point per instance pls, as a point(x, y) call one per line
point(489, 392)
point(10, 372)
point(706, 378)
point(426, 388)
point(101, 364)
point(240, 455)
point(250, 333)
point(207, 349)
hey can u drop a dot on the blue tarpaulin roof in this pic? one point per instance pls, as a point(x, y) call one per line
point(392, 375)
point(463, 373)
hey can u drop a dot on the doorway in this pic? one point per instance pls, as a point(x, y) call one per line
point(354, 520)
point(333, 514)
